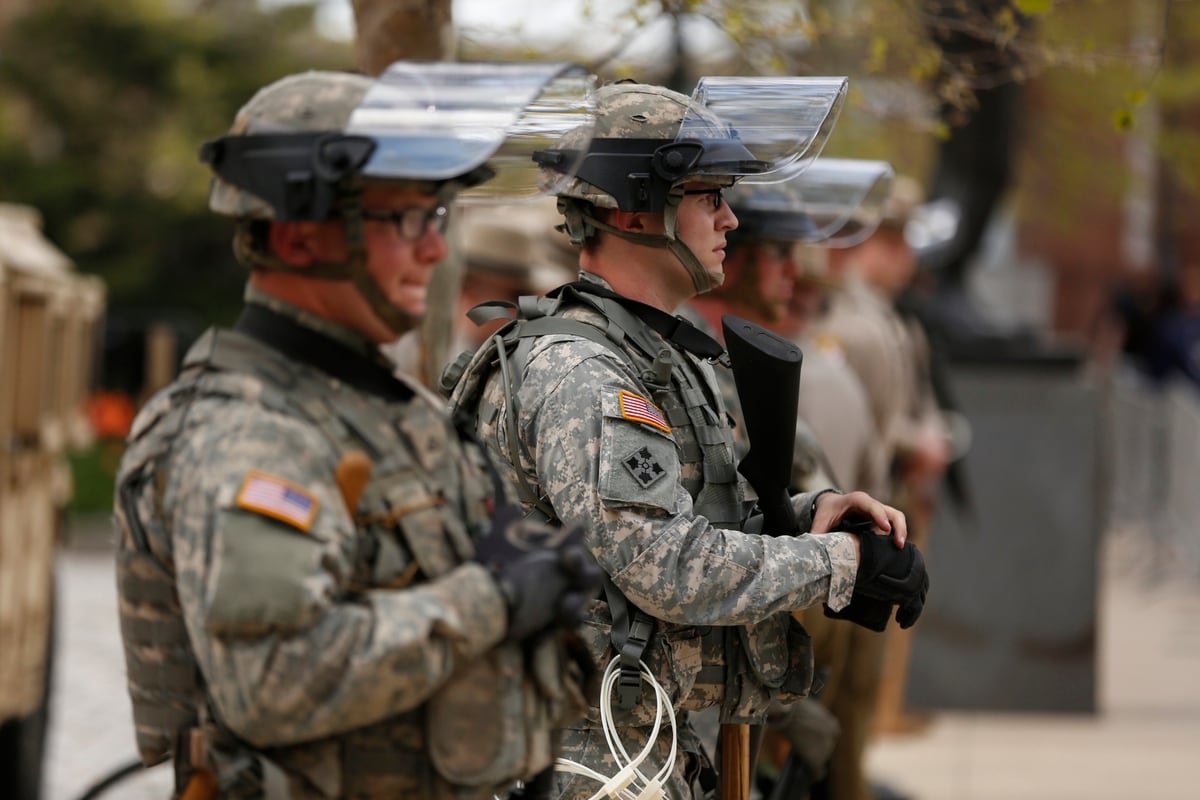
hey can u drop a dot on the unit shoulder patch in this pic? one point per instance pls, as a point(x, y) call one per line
point(278, 498)
point(644, 467)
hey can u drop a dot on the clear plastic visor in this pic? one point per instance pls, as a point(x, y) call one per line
point(836, 202)
point(844, 198)
point(776, 122)
point(441, 121)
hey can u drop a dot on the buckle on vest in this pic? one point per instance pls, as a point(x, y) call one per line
point(629, 680)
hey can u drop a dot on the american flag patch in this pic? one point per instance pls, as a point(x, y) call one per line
point(279, 499)
point(639, 409)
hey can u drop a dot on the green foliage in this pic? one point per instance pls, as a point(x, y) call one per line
point(1032, 8)
point(103, 106)
point(94, 473)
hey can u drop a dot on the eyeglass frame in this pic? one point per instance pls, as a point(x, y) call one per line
point(411, 223)
point(718, 191)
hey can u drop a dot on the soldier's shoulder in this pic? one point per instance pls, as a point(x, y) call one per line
point(235, 423)
point(829, 346)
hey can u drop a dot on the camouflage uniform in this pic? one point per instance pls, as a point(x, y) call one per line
point(647, 468)
point(325, 637)
point(810, 729)
point(303, 606)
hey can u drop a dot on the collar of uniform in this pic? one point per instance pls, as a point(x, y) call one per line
point(366, 371)
point(589, 277)
point(674, 329)
point(331, 330)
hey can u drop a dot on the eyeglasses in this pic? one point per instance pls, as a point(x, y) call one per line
point(412, 223)
point(717, 195)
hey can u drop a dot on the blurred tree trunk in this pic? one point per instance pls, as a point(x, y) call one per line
point(974, 165)
point(416, 30)
point(389, 30)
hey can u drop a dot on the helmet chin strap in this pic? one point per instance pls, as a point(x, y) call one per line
point(397, 320)
point(353, 269)
point(701, 278)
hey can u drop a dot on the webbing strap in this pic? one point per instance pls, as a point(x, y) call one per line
point(524, 489)
point(630, 633)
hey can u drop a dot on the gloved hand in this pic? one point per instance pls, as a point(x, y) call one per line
point(886, 577)
point(545, 573)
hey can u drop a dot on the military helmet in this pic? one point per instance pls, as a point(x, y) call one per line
point(304, 142)
point(640, 150)
point(771, 212)
point(311, 103)
point(305, 146)
point(649, 141)
point(833, 201)
point(902, 202)
point(508, 244)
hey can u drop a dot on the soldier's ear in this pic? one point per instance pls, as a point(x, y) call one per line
point(294, 242)
point(632, 221)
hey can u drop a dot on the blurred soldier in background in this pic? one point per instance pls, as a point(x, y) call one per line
point(603, 411)
point(510, 251)
point(777, 277)
point(835, 404)
point(833, 401)
point(890, 355)
point(324, 594)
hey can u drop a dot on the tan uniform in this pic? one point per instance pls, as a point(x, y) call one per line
point(890, 356)
point(885, 355)
point(837, 409)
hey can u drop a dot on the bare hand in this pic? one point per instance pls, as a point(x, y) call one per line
point(832, 508)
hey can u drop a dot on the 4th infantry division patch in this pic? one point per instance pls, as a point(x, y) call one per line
point(644, 467)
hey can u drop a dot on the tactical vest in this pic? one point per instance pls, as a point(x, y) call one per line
point(743, 668)
point(416, 520)
point(693, 407)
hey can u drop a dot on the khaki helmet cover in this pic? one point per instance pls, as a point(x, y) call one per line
point(312, 102)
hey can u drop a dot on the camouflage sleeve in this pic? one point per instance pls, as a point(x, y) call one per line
point(612, 467)
point(287, 651)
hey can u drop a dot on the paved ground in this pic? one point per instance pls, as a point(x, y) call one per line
point(1144, 744)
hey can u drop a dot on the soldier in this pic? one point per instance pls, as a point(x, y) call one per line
point(832, 398)
point(777, 275)
point(889, 355)
point(508, 254)
point(603, 411)
point(323, 590)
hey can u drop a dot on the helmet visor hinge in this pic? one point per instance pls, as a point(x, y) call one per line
point(673, 161)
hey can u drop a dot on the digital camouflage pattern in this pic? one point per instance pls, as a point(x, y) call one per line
point(621, 480)
point(630, 111)
point(345, 652)
point(309, 101)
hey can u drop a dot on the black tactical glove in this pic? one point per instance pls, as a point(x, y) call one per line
point(886, 577)
point(545, 573)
